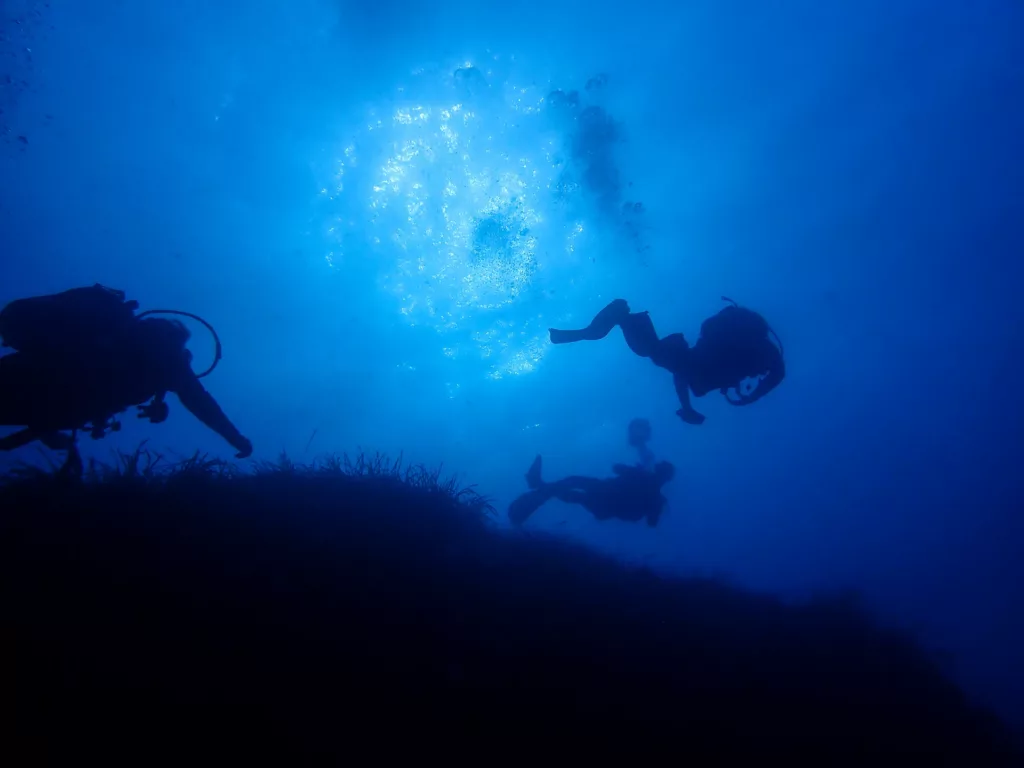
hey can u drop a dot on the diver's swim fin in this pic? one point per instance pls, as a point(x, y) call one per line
point(524, 506)
point(533, 478)
point(566, 337)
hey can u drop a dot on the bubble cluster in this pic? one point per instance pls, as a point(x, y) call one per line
point(22, 24)
point(456, 188)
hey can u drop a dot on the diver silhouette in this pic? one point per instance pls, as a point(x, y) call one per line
point(83, 356)
point(633, 494)
point(734, 345)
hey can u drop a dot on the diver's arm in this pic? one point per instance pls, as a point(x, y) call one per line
point(156, 410)
point(194, 396)
point(686, 413)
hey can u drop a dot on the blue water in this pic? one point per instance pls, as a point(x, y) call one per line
point(311, 179)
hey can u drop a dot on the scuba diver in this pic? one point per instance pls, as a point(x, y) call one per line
point(734, 345)
point(633, 494)
point(83, 356)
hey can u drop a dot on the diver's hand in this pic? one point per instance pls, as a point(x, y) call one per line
point(244, 447)
point(156, 412)
point(690, 416)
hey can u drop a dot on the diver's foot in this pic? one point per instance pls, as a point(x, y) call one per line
point(562, 337)
point(690, 416)
point(533, 478)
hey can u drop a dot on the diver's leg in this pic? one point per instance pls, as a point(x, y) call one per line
point(570, 489)
point(533, 477)
point(599, 327)
point(73, 465)
point(589, 496)
point(638, 331)
point(18, 439)
point(670, 353)
point(30, 392)
point(57, 441)
point(572, 497)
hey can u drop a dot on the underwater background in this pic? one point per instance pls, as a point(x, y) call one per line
point(374, 206)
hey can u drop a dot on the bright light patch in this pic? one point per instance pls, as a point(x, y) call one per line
point(457, 195)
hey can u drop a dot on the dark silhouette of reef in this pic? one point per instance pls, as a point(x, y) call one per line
point(358, 605)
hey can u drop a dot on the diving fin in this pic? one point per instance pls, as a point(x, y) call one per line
point(533, 478)
point(564, 337)
point(524, 506)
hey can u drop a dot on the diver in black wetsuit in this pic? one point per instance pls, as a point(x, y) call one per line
point(734, 345)
point(84, 357)
point(633, 494)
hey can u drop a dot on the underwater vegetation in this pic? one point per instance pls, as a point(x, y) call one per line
point(362, 602)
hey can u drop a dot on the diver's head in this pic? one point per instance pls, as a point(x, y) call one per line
point(639, 432)
point(165, 334)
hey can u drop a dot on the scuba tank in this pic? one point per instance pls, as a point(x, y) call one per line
point(737, 319)
point(751, 326)
point(59, 321)
point(79, 318)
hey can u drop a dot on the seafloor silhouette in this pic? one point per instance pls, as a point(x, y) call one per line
point(351, 605)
